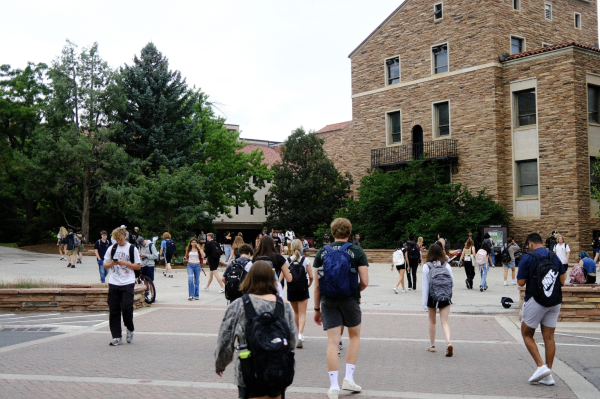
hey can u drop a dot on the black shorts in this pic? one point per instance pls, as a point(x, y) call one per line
point(340, 312)
point(401, 267)
point(168, 258)
point(297, 296)
point(213, 264)
point(254, 392)
point(439, 305)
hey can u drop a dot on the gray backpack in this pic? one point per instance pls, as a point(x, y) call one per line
point(440, 282)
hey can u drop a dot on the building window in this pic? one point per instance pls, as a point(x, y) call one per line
point(237, 210)
point(516, 5)
point(266, 210)
point(577, 20)
point(594, 180)
point(442, 119)
point(548, 11)
point(438, 11)
point(440, 56)
point(252, 211)
point(516, 45)
point(528, 178)
point(394, 127)
point(393, 70)
point(525, 106)
point(593, 92)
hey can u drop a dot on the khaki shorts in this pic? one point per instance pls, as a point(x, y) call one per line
point(71, 252)
point(535, 314)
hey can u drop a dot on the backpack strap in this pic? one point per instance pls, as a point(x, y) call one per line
point(131, 253)
point(248, 307)
point(346, 246)
point(279, 309)
point(113, 251)
point(328, 248)
point(535, 255)
point(302, 261)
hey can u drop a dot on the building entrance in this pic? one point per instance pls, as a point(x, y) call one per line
point(417, 141)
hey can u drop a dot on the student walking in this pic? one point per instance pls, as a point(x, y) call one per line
point(260, 297)
point(266, 252)
point(62, 248)
point(257, 241)
point(100, 249)
point(80, 239)
point(589, 266)
point(487, 239)
point(562, 250)
point(193, 254)
point(71, 248)
point(235, 250)
point(337, 300)
point(413, 254)
point(167, 250)
point(123, 259)
point(483, 260)
point(213, 256)
point(438, 281)
point(297, 292)
point(468, 259)
point(511, 249)
point(148, 256)
point(543, 274)
point(400, 260)
point(227, 242)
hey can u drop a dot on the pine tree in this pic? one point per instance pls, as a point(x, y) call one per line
point(159, 123)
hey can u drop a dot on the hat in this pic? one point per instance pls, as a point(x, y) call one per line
point(506, 301)
point(123, 226)
point(140, 240)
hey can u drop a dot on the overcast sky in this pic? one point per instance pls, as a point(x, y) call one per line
point(270, 65)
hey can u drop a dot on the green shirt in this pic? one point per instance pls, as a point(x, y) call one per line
point(357, 258)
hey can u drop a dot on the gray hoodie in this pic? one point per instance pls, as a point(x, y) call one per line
point(151, 254)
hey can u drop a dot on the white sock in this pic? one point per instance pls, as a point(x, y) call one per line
point(350, 372)
point(333, 380)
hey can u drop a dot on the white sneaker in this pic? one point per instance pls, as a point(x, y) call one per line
point(348, 385)
point(300, 341)
point(221, 291)
point(540, 374)
point(410, 289)
point(396, 290)
point(547, 381)
point(403, 290)
point(514, 282)
point(333, 394)
point(205, 288)
point(129, 336)
point(116, 342)
point(506, 283)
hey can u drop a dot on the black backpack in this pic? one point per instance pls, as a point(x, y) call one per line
point(546, 285)
point(413, 251)
point(505, 256)
point(271, 355)
point(270, 262)
point(550, 243)
point(299, 281)
point(171, 247)
point(234, 279)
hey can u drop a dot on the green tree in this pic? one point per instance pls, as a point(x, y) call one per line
point(413, 199)
point(307, 189)
point(159, 122)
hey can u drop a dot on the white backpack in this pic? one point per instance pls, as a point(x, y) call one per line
point(482, 257)
point(398, 258)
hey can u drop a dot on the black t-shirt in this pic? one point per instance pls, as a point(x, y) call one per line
point(278, 261)
point(212, 250)
point(102, 246)
point(227, 241)
point(277, 243)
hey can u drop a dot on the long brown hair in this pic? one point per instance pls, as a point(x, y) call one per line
point(436, 253)
point(469, 244)
point(189, 246)
point(266, 248)
point(260, 280)
point(238, 242)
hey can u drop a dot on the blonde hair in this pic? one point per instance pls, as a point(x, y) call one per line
point(166, 235)
point(63, 232)
point(420, 241)
point(296, 247)
point(238, 242)
point(119, 234)
point(468, 244)
point(341, 228)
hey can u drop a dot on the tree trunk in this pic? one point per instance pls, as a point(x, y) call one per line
point(85, 215)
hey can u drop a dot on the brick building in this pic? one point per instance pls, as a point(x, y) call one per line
point(497, 91)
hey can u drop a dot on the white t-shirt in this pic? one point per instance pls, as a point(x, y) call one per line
point(561, 251)
point(122, 275)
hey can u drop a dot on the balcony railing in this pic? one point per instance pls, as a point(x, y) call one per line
point(439, 149)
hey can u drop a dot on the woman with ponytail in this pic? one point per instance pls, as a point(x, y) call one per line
point(297, 292)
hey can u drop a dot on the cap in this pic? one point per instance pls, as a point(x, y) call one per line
point(140, 240)
point(506, 301)
point(123, 226)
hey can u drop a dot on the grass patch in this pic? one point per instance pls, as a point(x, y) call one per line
point(9, 244)
point(28, 282)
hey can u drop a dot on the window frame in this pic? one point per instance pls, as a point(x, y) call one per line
point(265, 203)
point(433, 67)
point(516, 125)
point(597, 88)
point(387, 71)
point(546, 5)
point(523, 43)
point(388, 128)
point(592, 182)
point(435, 120)
point(518, 178)
point(441, 4)
point(575, 20)
point(516, 5)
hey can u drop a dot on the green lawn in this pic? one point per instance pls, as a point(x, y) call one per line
point(8, 244)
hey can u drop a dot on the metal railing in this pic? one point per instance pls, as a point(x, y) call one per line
point(439, 149)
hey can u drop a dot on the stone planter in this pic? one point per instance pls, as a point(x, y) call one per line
point(581, 302)
point(68, 297)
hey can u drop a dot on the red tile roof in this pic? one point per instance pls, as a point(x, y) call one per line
point(335, 126)
point(271, 155)
point(550, 48)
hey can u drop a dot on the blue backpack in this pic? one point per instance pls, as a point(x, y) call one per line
point(171, 248)
point(338, 278)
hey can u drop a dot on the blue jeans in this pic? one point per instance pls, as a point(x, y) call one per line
point(483, 271)
point(302, 252)
point(493, 253)
point(193, 270)
point(102, 270)
point(227, 252)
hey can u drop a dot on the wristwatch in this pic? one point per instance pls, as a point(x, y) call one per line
point(317, 310)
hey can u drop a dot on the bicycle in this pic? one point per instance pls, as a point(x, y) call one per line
point(150, 293)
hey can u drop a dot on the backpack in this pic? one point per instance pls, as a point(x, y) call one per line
point(299, 281)
point(150, 249)
point(270, 262)
point(440, 282)
point(76, 241)
point(338, 278)
point(171, 247)
point(234, 279)
point(398, 257)
point(271, 362)
point(550, 243)
point(481, 257)
point(505, 256)
point(413, 251)
point(545, 275)
point(131, 252)
point(577, 275)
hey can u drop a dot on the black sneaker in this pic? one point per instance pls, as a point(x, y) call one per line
point(481, 288)
point(69, 265)
point(72, 266)
point(467, 282)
